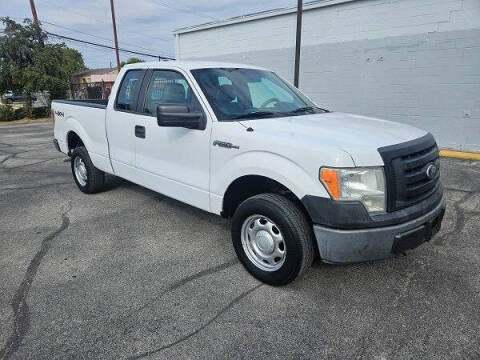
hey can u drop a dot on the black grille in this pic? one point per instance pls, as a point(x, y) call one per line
point(406, 167)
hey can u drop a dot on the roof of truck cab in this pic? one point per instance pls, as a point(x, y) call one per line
point(188, 65)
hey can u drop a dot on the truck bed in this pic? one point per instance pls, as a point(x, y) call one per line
point(96, 103)
point(85, 119)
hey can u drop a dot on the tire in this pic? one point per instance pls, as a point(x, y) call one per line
point(291, 226)
point(94, 179)
point(9, 101)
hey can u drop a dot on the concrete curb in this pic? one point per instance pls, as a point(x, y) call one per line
point(460, 155)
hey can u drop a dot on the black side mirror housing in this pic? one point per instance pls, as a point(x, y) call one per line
point(172, 115)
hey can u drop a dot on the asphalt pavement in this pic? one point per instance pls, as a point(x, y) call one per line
point(129, 273)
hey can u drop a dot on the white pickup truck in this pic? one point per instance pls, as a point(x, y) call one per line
point(241, 142)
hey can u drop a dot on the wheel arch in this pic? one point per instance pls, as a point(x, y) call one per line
point(73, 141)
point(75, 131)
point(274, 170)
point(247, 186)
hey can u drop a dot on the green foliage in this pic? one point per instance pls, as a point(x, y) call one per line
point(132, 60)
point(29, 64)
point(8, 113)
point(40, 112)
point(19, 113)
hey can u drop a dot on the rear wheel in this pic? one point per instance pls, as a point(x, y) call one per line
point(272, 238)
point(87, 177)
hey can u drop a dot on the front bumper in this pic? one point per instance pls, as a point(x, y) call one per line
point(349, 246)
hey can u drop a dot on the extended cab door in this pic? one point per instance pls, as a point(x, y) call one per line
point(121, 124)
point(174, 161)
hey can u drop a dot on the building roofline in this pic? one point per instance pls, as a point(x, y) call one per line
point(260, 15)
point(98, 71)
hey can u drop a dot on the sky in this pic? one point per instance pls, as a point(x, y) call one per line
point(142, 25)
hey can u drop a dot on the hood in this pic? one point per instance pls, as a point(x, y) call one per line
point(359, 136)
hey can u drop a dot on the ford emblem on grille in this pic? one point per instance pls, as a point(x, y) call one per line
point(431, 171)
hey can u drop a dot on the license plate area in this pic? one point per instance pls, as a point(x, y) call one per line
point(415, 237)
point(409, 240)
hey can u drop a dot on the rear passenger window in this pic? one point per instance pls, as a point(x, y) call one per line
point(128, 89)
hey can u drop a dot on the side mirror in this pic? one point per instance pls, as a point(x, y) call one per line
point(179, 116)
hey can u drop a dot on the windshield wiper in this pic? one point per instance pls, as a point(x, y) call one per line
point(304, 109)
point(254, 114)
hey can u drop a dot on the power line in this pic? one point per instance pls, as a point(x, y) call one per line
point(99, 55)
point(184, 9)
point(160, 57)
point(89, 17)
point(98, 45)
point(94, 36)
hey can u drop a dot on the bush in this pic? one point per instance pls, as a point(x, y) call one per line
point(19, 113)
point(40, 112)
point(6, 113)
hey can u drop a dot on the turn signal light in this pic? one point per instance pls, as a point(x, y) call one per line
point(330, 179)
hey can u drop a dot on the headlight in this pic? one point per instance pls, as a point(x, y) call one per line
point(361, 184)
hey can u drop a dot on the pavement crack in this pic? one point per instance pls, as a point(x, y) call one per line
point(459, 222)
point(21, 320)
point(195, 332)
point(6, 158)
point(32, 164)
point(34, 187)
point(181, 282)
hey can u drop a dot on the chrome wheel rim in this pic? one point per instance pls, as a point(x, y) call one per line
point(80, 171)
point(263, 243)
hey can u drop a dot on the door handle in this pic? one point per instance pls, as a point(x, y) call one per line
point(140, 131)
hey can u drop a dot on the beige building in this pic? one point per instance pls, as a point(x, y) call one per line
point(95, 75)
point(93, 83)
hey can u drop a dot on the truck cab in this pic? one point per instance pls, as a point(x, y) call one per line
point(298, 180)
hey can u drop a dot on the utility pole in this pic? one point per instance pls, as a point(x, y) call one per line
point(34, 11)
point(36, 22)
point(298, 42)
point(114, 34)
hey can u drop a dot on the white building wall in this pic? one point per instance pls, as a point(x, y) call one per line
point(413, 61)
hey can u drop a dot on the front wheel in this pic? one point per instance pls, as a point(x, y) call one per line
point(272, 238)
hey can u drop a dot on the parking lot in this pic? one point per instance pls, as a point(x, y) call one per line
point(129, 273)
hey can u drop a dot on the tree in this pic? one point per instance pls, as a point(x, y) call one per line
point(132, 60)
point(29, 64)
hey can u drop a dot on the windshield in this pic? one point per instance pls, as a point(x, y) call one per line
point(236, 94)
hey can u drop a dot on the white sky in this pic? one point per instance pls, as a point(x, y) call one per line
point(142, 25)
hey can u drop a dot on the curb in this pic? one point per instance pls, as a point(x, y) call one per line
point(460, 155)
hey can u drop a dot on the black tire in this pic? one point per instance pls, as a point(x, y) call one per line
point(9, 101)
point(293, 225)
point(95, 178)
